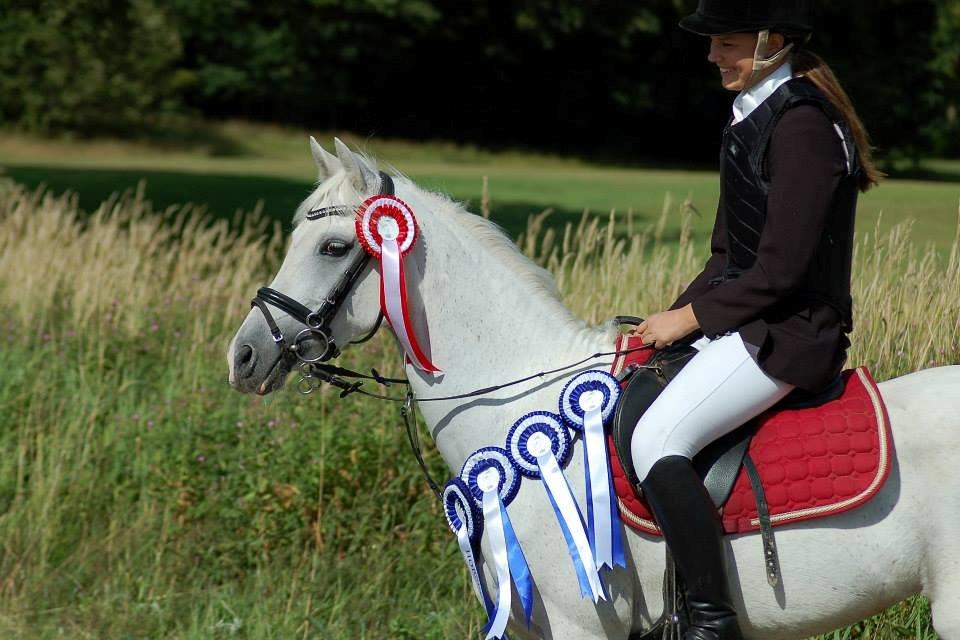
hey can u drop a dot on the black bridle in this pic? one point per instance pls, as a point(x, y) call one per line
point(318, 322)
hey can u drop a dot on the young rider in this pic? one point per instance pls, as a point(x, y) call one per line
point(772, 307)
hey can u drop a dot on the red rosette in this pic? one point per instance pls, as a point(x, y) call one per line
point(387, 230)
point(389, 216)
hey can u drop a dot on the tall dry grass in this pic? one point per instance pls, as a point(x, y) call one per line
point(139, 497)
point(124, 261)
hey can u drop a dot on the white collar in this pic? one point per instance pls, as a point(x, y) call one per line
point(747, 101)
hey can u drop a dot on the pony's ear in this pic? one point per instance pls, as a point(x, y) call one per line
point(327, 163)
point(359, 173)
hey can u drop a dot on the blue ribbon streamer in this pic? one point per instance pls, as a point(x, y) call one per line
point(619, 557)
point(588, 415)
point(470, 553)
point(582, 578)
point(519, 570)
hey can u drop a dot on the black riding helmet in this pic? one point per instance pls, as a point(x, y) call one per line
point(716, 17)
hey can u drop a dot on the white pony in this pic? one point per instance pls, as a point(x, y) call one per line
point(489, 315)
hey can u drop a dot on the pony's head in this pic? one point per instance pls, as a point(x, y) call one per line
point(324, 270)
point(328, 294)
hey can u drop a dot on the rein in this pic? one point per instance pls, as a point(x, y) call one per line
point(314, 369)
point(337, 377)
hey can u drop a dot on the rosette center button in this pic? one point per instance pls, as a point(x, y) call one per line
point(591, 400)
point(388, 228)
point(488, 480)
point(539, 444)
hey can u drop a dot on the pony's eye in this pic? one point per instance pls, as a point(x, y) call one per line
point(334, 248)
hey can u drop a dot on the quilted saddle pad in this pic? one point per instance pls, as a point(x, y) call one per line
point(813, 462)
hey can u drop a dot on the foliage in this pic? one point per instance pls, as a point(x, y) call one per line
point(87, 66)
point(945, 72)
point(902, 70)
point(141, 498)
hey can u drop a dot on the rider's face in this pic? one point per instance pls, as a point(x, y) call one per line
point(733, 54)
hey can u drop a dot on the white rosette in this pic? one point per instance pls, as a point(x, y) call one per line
point(493, 482)
point(540, 446)
point(586, 403)
point(466, 522)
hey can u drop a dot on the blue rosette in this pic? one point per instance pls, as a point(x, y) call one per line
point(493, 481)
point(587, 403)
point(540, 446)
point(551, 427)
point(594, 384)
point(491, 458)
point(461, 511)
point(466, 522)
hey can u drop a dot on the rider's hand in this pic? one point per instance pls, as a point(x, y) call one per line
point(663, 329)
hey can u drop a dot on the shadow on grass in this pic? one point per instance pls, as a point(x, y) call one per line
point(224, 195)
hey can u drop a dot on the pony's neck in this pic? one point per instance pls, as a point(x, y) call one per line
point(489, 321)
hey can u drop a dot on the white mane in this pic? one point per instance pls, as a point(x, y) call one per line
point(338, 189)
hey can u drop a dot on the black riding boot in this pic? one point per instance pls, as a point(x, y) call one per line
point(691, 527)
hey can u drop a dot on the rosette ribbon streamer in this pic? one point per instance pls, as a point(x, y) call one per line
point(387, 230)
point(493, 483)
point(539, 446)
point(466, 522)
point(586, 404)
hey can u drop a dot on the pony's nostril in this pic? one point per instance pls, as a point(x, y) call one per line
point(245, 360)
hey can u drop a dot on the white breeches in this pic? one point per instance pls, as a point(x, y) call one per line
point(717, 391)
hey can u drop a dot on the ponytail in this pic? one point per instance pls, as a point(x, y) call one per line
point(811, 66)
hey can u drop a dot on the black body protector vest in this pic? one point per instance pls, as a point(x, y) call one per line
point(745, 183)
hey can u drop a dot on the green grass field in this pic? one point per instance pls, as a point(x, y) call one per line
point(250, 164)
point(140, 497)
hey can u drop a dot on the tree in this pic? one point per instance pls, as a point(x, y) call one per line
point(615, 79)
point(86, 66)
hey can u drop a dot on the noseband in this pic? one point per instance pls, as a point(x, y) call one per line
point(318, 322)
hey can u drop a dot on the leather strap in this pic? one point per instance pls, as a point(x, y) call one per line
point(409, 412)
point(669, 626)
point(771, 560)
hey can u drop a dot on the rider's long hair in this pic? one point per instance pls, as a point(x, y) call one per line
point(810, 65)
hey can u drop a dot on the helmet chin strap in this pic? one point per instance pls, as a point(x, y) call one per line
point(761, 63)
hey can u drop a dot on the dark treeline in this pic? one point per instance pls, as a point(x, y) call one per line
point(613, 79)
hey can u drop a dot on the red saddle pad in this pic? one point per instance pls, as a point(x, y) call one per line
point(813, 462)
